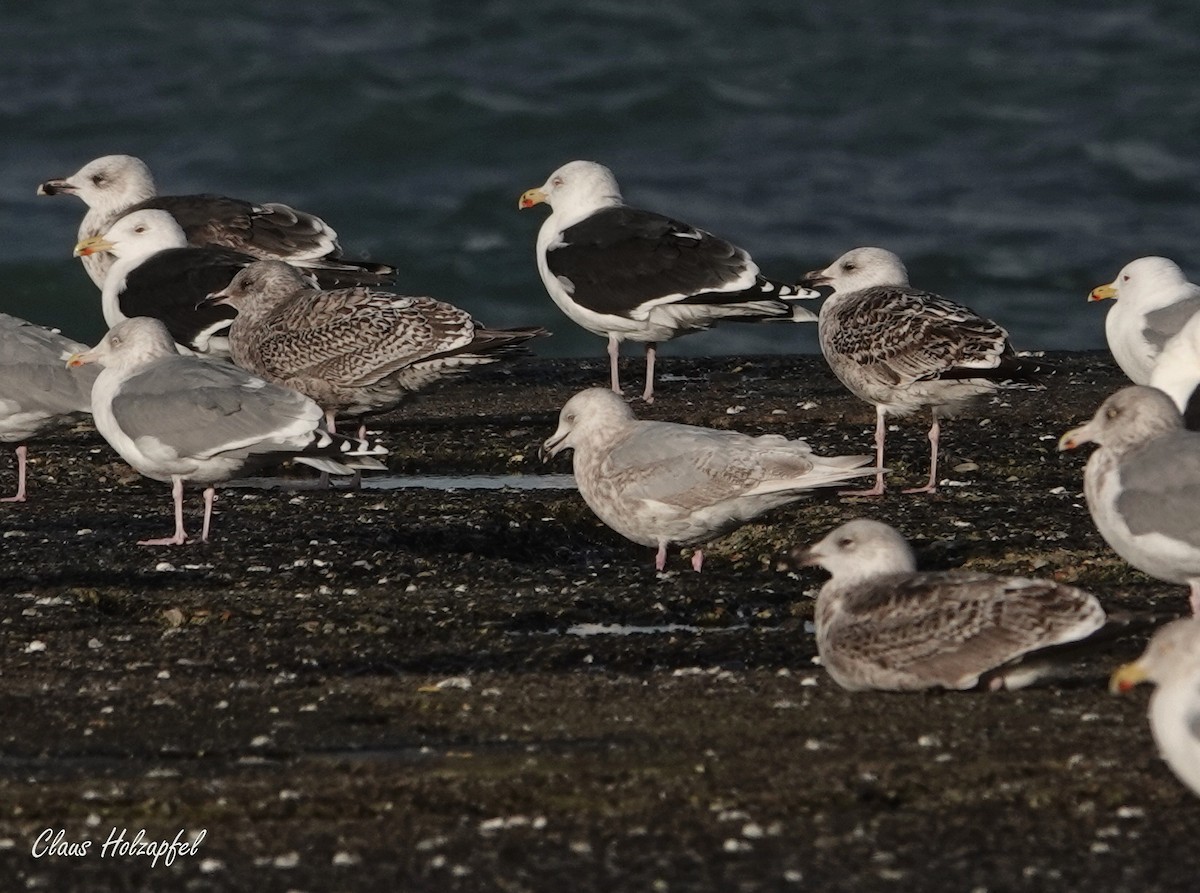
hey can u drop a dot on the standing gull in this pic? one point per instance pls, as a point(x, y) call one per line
point(180, 418)
point(353, 350)
point(1143, 484)
point(660, 483)
point(1153, 301)
point(1172, 662)
point(904, 349)
point(37, 391)
point(115, 185)
point(635, 275)
point(882, 624)
point(1177, 372)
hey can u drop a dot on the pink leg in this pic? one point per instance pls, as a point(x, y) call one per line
point(660, 560)
point(180, 537)
point(20, 494)
point(210, 494)
point(330, 422)
point(614, 357)
point(1195, 584)
point(651, 352)
point(934, 432)
point(697, 560)
point(880, 435)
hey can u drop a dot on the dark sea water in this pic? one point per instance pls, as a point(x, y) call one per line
point(1015, 154)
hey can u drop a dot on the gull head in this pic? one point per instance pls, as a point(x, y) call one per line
point(1174, 647)
point(262, 282)
point(108, 183)
point(860, 269)
point(1141, 280)
point(129, 344)
point(136, 236)
point(588, 416)
point(1127, 419)
point(575, 190)
point(858, 550)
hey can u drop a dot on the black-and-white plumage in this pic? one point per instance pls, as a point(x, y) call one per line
point(904, 349)
point(115, 185)
point(634, 275)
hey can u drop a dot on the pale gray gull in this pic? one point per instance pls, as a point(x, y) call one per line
point(182, 418)
point(1153, 301)
point(115, 185)
point(1177, 372)
point(882, 624)
point(1143, 484)
point(633, 275)
point(905, 350)
point(37, 391)
point(661, 483)
point(1172, 663)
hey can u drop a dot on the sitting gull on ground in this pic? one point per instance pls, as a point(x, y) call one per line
point(1177, 372)
point(882, 624)
point(115, 185)
point(37, 391)
point(180, 418)
point(660, 483)
point(1172, 662)
point(904, 349)
point(353, 350)
point(634, 275)
point(1143, 484)
point(1153, 301)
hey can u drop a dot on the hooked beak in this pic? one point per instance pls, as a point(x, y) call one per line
point(214, 299)
point(814, 278)
point(1126, 677)
point(93, 245)
point(531, 197)
point(1102, 292)
point(1075, 437)
point(553, 445)
point(82, 358)
point(57, 186)
point(805, 556)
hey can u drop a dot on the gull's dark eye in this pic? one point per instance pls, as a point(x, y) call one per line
point(1125, 278)
point(845, 543)
point(98, 179)
point(556, 182)
point(848, 266)
point(139, 229)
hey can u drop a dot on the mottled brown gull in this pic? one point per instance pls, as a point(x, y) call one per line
point(353, 350)
point(633, 275)
point(181, 418)
point(1172, 663)
point(904, 349)
point(37, 391)
point(115, 185)
point(882, 624)
point(660, 483)
point(1143, 484)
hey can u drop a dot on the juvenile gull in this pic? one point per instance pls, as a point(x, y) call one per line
point(904, 349)
point(1177, 372)
point(180, 418)
point(660, 483)
point(114, 185)
point(634, 275)
point(1153, 301)
point(37, 391)
point(1172, 662)
point(882, 624)
point(1143, 484)
point(353, 350)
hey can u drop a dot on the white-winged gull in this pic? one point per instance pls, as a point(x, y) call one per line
point(1172, 663)
point(882, 624)
point(1153, 301)
point(353, 350)
point(182, 418)
point(633, 275)
point(37, 391)
point(1143, 484)
point(1177, 371)
point(904, 349)
point(114, 185)
point(661, 483)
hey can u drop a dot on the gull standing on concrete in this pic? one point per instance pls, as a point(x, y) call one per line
point(660, 483)
point(905, 350)
point(634, 275)
point(882, 624)
point(181, 418)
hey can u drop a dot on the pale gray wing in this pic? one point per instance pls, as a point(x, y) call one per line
point(1160, 488)
point(33, 370)
point(1161, 325)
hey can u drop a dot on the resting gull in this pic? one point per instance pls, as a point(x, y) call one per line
point(353, 350)
point(37, 391)
point(115, 185)
point(904, 349)
point(1153, 301)
point(1172, 662)
point(1177, 372)
point(634, 275)
point(660, 483)
point(181, 418)
point(1143, 484)
point(882, 624)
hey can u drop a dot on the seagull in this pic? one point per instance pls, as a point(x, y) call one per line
point(353, 350)
point(1172, 662)
point(37, 391)
point(660, 483)
point(1153, 301)
point(115, 185)
point(1177, 371)
point(904, 349)
point(181, 418)
point(634, 275)
point(882, 624)
point(1143, 484)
